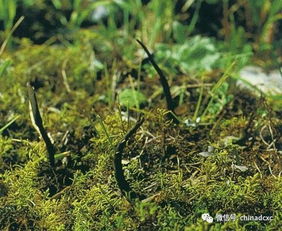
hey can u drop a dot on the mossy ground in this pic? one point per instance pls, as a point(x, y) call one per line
point(77, 83)
point(161, 161)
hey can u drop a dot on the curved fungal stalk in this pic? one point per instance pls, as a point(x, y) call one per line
point(164, 83)
point(38, 124)
point(124, 186)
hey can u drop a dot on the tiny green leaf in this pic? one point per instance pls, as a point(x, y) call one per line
point(4, 66)
point(131, 98)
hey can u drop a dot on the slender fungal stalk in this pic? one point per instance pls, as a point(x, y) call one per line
point(38, 124)
point(164, 83)
point(119, 173)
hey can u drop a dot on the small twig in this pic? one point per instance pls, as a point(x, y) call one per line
point(38, 124)
point(59, 194)
point(64, 75)
point(164, 83)
point(258, 169)
point(199, 85)
point(269, 145)
point(119, 173)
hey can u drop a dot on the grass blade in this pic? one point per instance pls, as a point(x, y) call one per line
point(8, 124)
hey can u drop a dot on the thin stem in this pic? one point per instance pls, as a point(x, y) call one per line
point(163, 81)
point(119, 173)
point(199, 102)
point(38, 124)
point(3, 46)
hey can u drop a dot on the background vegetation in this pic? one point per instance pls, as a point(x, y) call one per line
point(92, 80)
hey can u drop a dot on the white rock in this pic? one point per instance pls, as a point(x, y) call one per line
point(268, 83)
point(205, 154)
point(242, 168)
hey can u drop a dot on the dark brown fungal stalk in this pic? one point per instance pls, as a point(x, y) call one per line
point(164, 83)
point(38, 124)
point(124, 186)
